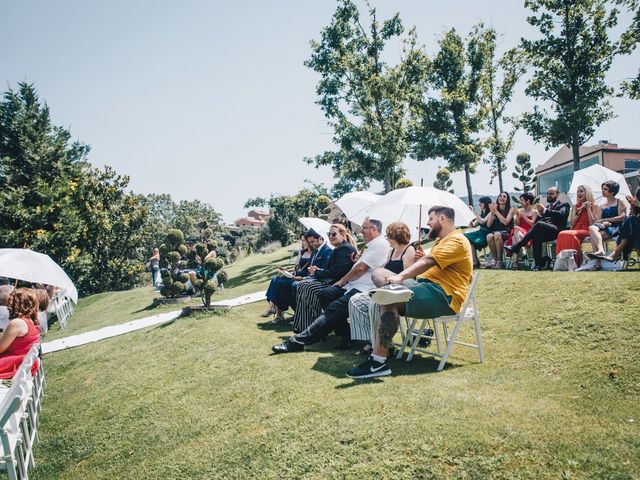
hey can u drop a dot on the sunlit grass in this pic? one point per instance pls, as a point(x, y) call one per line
point(202, 397)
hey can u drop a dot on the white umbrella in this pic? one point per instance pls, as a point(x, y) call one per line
point(355, 204)
point(403, 205)
point(593, 177)
point(319, 225)
point(34, 267)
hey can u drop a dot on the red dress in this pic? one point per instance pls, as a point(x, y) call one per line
point(572, 239)
point(11, 359)
point(522, 227)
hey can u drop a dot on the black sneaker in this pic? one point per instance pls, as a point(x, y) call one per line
point(424, 342)
point(288, 347)
point(370, 369)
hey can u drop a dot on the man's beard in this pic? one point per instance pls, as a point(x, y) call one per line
point(432, 234)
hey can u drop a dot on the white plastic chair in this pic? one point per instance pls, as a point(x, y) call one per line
point(439, 325)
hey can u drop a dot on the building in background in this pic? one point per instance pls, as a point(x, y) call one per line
point(254, 219)
point(558, 170)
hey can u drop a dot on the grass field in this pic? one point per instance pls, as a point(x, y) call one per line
point(202, 397)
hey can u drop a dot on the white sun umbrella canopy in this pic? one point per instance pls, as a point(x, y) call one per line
point(403, 205)
point(355, 204)
point(319, 225)
point(34, 267)
point(593, 177)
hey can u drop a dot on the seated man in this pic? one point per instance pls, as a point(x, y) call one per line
point(335, 299)
point(444, 278)
point(551, 221)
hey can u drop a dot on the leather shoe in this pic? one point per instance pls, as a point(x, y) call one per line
point(512, 249)
point(287, 347)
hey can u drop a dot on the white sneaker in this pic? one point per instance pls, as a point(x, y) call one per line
point(390, 294)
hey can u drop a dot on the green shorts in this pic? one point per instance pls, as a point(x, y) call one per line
point(429, 300)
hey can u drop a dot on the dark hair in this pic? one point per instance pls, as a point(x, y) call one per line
point(486, 201)
point(612, 185)
point(507, 205)
point(399, 232)
point(312, 233)
point(527, 196)
point(441, 210)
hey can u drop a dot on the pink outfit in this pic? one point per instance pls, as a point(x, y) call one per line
point(11, 359)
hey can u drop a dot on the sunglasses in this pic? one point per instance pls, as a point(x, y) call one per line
point(332, 234)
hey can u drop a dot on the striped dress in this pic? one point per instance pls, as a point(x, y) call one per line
point(308, 306)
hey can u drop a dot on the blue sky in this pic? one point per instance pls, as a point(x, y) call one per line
point(211, 100)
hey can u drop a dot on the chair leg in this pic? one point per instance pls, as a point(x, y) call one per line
point(450, 342)
point(416, 340)
point(476, 323)
point(407, 337)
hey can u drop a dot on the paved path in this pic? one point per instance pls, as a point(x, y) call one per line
point(115, 330)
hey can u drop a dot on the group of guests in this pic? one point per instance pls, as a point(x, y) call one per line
point(329, 289)
point(22, 312)
point(507, 230)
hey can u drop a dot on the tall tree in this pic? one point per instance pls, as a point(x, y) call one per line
point(569, 62)
point(524, 172)
point(498, 87)
point(449, 126)
point(365, 100)
point(443, 180)
point(628, 43)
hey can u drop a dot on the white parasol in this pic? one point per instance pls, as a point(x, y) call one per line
point(355, 204)
point(593, 177)
point(403, 205)
point(34, 267)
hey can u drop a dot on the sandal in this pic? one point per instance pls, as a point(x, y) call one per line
point(606, 258)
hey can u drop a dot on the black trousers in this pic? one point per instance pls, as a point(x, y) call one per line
point(335, 301)
point(630, 229)
point(540, 232)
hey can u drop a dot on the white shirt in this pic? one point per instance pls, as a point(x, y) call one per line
point(374, 256)
point(4, 317)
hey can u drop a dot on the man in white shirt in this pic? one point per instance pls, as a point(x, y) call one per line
point(335, 299)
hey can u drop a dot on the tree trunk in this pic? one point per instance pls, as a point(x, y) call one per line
point(387, 181)
point(467, 176)
point(575, 147)
point(499, 166)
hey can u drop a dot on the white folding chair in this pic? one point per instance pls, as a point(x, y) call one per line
point(440, 329)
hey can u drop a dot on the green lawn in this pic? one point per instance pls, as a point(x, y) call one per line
point(202, 397)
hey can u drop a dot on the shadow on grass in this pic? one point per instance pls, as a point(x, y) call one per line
point(148, 308)
point(342, 361)
point(252, 274)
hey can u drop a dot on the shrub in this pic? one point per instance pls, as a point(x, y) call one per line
point(175, 237)
point(165, 291)
point(183, 277)
point(213, 265)
point(222, 277)
point(209, 289)
point(199, 284)
point(212, 245)
point(182, 249)
point(322, 202)
point(177, 288)
point(404, 183)
point(173, 257)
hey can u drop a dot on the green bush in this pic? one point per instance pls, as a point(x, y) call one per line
point(213, 265)
point(222, 277)
point(208, 290)
point(404, 183)
point(184, 277)
point(212, 245)
point(165, 291)
point(322, 202)
point(182, 249)
point(175, 237)
point(199, 285)
point(173, 257)
point(201, 249)
point(163, 249)
point(177, 288)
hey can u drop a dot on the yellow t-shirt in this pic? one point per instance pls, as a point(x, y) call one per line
point(454, 267)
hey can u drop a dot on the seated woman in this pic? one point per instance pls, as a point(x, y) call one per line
point(22, 333)
point(363, 314)
point(584, 214)
point(300, 271)
point(613, 214)
point(342, 258)
point(525, 217)
point(43, 305)
point(629, 238)
point(500, 223)
point(478, 238)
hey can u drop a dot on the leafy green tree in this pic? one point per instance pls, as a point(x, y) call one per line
point(569, 63)
point(365, 100)
point(498, 87)
point(449, 126)
point(403, 182)
point(443, 180)
point(524, 172)
point(628, 43)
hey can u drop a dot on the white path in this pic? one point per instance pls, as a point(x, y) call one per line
point(115, 330)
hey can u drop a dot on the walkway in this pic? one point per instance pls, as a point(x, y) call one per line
point(115, 330)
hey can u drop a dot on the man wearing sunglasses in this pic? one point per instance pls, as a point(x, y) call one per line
point(335, 298)
point(551, 221)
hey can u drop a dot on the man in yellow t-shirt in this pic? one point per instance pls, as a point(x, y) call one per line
point(443, 281)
